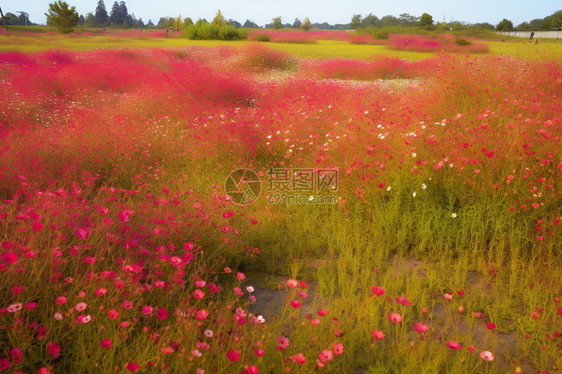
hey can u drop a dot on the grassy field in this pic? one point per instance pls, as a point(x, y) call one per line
point(126, 247)
point(33, 42)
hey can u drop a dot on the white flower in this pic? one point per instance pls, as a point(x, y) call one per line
point(414, 155)
point(388, 189)
point(424, 186)
point(250, 289)
point(454, 215)
point(414, 194)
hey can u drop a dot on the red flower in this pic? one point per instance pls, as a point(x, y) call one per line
point(132, 367)
point(454, 345)
point(53, 349)
point(379, 291)
point(162, 313)
point(233, 355)
point(105, 343)
point(490, 325)
point(377, 335)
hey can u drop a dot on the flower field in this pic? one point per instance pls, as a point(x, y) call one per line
point(122, 252)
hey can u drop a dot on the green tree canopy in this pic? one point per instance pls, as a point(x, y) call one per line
point(426, 20)
point(219, 19)
point(306, 24)
point(62, 16)
point(505, 25)
point(355, 21)
point(277, 24)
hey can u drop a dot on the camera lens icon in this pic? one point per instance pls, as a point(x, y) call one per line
point(243, 186)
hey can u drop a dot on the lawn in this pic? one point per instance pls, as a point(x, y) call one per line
point(235, 207)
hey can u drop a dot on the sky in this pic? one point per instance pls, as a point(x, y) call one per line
point(331, 11)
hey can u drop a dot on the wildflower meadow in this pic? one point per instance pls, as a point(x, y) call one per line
point(240, 208)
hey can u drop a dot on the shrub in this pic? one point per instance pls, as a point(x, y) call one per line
point(462, 41)
point(263, 38)
point(206, 31)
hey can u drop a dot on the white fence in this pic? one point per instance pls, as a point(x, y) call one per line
point(538, 34)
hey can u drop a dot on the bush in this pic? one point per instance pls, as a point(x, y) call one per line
point(462, 41)
point(263, 38)
point(206, 31)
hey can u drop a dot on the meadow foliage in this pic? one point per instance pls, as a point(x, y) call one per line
point(121, 252)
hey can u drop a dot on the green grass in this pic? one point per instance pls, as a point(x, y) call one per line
point(545, 50)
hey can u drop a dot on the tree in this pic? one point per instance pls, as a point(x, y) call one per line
point(140, 23)
point(250, 24)
point(187, 21)
point(178, 23)
point(63, 17)
point(297, 23)
point(407, 19)
point(219, 19)
point(525, 26)
point(124, 14)
point(426, 20)
point(504, 25)
point(277, 24)
point(100, 18)
point(355, 22)
point(90, 20)
point(536, 23)
point(115, 17)
point(306, 24)
point(389, 21)
point(11, 19)
point(150, 23)
point(81, 20)
point(369, 20)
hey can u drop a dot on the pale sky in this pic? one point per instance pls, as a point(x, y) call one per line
point(331, 11)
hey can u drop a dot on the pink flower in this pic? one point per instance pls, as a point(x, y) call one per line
point(295, 303)
point(448, 297)
point(9, 257)
point(240, 276)
point(325, 356)
point(420, 327)
point(60, 300)
point(14, 307)
point(490, 326)
point(146, 310)
point(402, 300)
point(4, 364)
point(377, 334)
point(454, 345)
point(233, 355)
point(283, 342)
point(80, 307)
point(291, 283)
point(378, 291)
point(132, 367)
point(198, 294)
point(53, 349)
point(202, 314)
point(113, 314)
point(337, 348)
point(298, 358)
point(101, 291)
point(36, 226)
point(395, 317)
point(162, 314)
point(486, 356)
point(259, 352)
point(105, 343)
